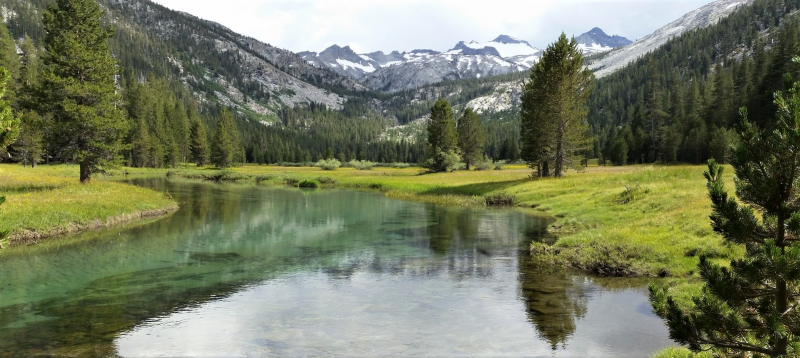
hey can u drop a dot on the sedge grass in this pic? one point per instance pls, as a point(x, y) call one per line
point(49, 200)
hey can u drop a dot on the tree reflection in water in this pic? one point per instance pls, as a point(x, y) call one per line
point(554, 300)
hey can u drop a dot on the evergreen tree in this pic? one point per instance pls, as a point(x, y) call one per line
point(554, 111)
point(29, 147)
point(10, 61)
point(28, 74)
point(442, 137)
point(198, 143)
point(222, 148)
point(750, 307)
point(9, 122)
point(79, 80)
point(9, 130)
point(471, 137)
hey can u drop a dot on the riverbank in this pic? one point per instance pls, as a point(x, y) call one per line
point(636, 221)
point(49, 201)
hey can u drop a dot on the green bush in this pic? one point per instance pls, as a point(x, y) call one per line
point(308, 183)
point(362, 164)
point(482, 166)
point(632, 193)
point(327, 181)
point(328, 164)
point(499, 200)
point(443, 161)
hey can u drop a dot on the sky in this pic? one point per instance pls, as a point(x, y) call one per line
point(404, 25)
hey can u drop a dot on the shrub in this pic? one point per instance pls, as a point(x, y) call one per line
point(443, 161)
point(291, 181)
point(263, 177)
point(308, 183)
point(499, 200)
point(327, 181)
point(499, 165)
point(328, 164)
point(362, 164)
point(400, 165)
point(482, 166)
point(632, 193)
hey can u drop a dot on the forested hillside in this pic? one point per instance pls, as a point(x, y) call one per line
point(678, 103)
point(675, 104)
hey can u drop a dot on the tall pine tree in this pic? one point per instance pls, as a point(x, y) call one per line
point(222, 148)
point(79, 86)
point(553, 113)
point(471, 137)
point(442, 137)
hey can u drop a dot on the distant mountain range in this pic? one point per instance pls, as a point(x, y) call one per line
point(397, 71)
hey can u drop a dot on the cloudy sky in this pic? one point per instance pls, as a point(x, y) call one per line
point(371, 25)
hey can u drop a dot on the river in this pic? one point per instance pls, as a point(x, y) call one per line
point(247, 271)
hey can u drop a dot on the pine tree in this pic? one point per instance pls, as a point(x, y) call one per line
point(553, 126)
point(442, 137)
point(79, 80)
point(9, 122)
point(10, 61)
point(198, 147)
point(28, 146)
point(471, 137)
point(222, 148)
point(9, 130)
point(751, 307)
point(28, 74)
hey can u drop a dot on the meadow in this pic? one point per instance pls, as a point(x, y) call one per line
point(49, 201)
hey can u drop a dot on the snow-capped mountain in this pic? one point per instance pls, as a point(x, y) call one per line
point(398, 71)
point(342, 60)
point(503, 46)
point(424, 69)
point(597, 41)
point(702, 17)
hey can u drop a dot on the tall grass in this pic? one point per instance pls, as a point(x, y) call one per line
point(50, 199)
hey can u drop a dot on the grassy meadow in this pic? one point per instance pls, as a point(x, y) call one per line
point(49, 201)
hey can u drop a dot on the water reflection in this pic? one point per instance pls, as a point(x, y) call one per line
point(290, 272)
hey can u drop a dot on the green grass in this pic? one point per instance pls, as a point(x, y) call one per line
point(49, 200)
point(676, 352)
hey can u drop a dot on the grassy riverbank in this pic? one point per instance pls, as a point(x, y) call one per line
point(613, 221)
point(49, 201)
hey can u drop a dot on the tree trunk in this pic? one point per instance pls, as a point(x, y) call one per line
point(86, 174)
point(781, 294)
point(467, 162)
point(545, 169)
point(559, 160)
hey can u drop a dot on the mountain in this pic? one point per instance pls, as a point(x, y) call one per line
point(597, 41)
point(342, 60)
point(503, 46)
point(705, 16)
point(425, 69)
point(401, 71)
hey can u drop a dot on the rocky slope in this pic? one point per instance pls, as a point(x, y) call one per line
point(702, 17)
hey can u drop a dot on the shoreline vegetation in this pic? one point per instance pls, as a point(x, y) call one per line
point(631, 221)
point(48, 201)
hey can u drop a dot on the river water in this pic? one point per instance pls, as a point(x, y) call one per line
point(247, 271)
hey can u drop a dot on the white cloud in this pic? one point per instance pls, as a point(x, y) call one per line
point(371, 25)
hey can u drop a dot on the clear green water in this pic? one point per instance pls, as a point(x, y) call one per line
point(244, 271)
